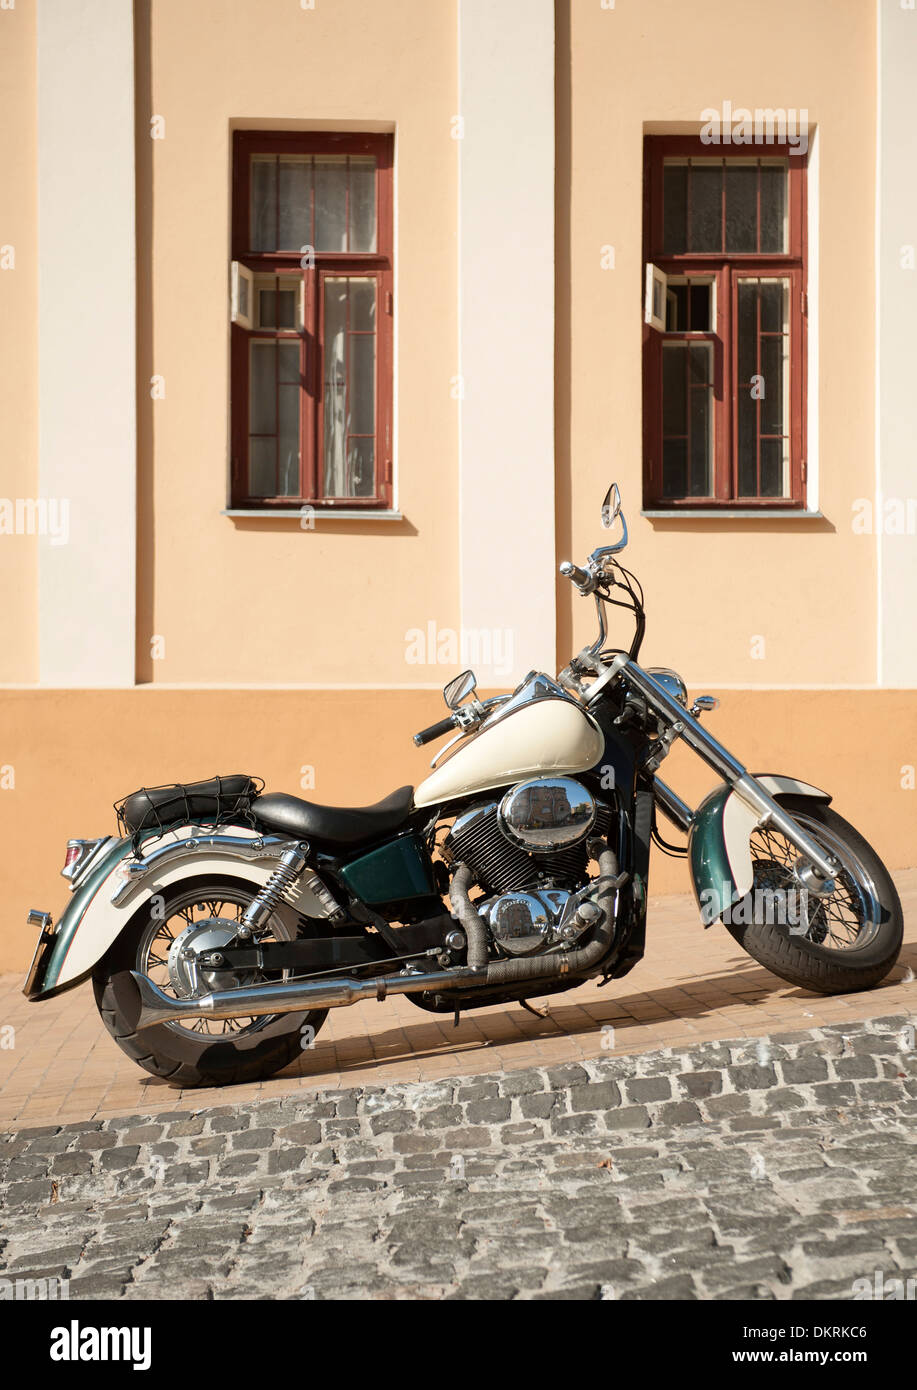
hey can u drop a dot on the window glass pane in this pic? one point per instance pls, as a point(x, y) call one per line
point(774, 468)
point(262, 467)
point(334, 388)
point(700, 442)
point(263, 394)
point(361, 468)
point(774, 294)
point(331, 202)
point(674, 391)
point(263, 225)
point(288, 362)
point(362, 384)
point(741, 208)
point(700, 359)
point(274, 405)
point(700, 421)
point(362, 305)
point(362, 203)
point(294, 198)
point(773, 207)
point(706, 209)
point(676, 312)
point(763, 387)
point(349, 386)
point(687, 419)
point(675, 208)
point(747, 442)
point(748, 330)
point(674, 467)
point(288, 442)
point(773, 419)
point(277, 307)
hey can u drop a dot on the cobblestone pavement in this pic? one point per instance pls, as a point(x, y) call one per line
point(777, 1168)
point(692, 987)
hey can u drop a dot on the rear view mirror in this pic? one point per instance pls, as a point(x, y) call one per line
point(611, 507)
point(459, 689)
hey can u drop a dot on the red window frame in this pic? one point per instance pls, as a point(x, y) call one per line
point(377, 264)
point(726, 271)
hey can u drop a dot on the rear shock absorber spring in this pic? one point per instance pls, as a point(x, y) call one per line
point(278, 887)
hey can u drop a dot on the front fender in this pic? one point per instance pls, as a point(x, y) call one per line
point(718, 842)
point(91, 921)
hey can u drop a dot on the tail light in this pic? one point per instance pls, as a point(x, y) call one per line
point(79, 852)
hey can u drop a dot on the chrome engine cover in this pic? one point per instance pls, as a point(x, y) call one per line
point(546, 815)
point(523, 924)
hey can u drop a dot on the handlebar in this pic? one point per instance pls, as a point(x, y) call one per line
point(581, 578)
point(434, 731)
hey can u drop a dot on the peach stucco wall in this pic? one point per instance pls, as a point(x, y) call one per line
point(264, 600)
point(807, 587)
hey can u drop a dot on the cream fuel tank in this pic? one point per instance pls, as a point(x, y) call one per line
point(541, 731)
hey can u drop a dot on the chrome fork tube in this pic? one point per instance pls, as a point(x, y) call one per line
point(729, 768)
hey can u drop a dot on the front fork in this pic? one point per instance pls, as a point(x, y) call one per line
point(818, 869)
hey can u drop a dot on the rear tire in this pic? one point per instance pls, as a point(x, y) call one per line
point(176, 1053)
point(803, 960)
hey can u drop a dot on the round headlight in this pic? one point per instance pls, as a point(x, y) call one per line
point(671, 683)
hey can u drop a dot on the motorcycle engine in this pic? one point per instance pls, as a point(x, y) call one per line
point(529, 853)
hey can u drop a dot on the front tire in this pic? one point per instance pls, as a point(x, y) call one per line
point(191, 1056)
point(839, 944)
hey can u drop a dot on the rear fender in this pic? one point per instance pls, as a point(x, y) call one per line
point(718, 842)
point(92, 921)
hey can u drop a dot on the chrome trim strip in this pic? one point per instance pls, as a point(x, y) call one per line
point(264, 847)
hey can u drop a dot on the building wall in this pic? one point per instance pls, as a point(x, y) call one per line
point(264, 600)
point(19, 338)
point(807, 587)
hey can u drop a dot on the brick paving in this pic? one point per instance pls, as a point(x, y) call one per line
point(778, 1168)
point(692, 986)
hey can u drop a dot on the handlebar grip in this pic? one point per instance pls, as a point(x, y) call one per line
point(434, 731)
point(579, 577)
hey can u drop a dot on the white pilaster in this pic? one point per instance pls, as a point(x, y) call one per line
point(896, 359)
point(87, 341)
point(506, 287)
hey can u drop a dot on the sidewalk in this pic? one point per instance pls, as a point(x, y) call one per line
point(692, 987)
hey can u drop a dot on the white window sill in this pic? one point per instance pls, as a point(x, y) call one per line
point(735, 514)
point(337, 514)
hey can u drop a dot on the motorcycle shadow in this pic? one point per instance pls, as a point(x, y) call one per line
point(503, 1029)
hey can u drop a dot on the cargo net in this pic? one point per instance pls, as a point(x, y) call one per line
point(218, 801)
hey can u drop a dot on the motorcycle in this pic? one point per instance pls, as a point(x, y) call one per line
point(224, 921)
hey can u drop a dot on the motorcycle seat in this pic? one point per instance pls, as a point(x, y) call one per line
point(343, 825)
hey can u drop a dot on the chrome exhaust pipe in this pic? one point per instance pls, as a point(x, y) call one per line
point(253, 1000)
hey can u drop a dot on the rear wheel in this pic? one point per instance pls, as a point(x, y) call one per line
point(836, 943)
point(200, 1052)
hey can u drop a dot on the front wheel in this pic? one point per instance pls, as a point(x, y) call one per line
point(203, 1051)
point(844, 941)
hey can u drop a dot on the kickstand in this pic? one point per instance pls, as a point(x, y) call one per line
point(539, 1013)
point(456, 1018)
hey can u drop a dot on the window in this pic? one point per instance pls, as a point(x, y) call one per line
point(725, 326)
point(312, 320)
